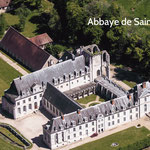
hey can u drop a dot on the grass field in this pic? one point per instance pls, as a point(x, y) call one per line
point(87, 99)
point(93, 104)
point(30, 29)
point(10, 135)
point(7, 74)
point(123, 138)
point(7, 146)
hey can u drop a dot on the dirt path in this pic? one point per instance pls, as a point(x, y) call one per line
point(119, 82)
point(13, 64)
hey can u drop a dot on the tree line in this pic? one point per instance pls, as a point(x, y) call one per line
point(66, 22)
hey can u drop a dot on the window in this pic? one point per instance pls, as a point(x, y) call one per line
point(101, 125)
point(108, 123)
point(124, 113)
point(118, 115)
point(131, 117)
point(30, 106)
point(24, 101)
point(80, 127)
point(61, 86)
point(108, 118)
point(77, 81)
point(72, 82)
point(92, 129)
point(145, 107)
point(130, 110)
point(74, 135)
point(86, 125)
point(93, 123)
point(24, 108)
point(80, 133)
point(113, 123)
point(137, 109)
point(40, 95)
point(69, 137)
point(74, 129)
point(124, 118)
point(18, 103)
point(50, 107)
point(112, 116)
point(136, 115)
point(67, 84)
point(29, 99)
point(34, 97)
point(19, 110)
point(86, 132)
point(118, 121)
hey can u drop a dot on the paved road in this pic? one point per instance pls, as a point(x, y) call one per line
point(13, 64)
point(119, 82)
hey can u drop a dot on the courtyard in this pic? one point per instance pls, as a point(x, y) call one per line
point(90, 100)
point(30, 127)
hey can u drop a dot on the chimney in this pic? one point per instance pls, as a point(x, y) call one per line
point(62, 117)
point(112, 102)
point(78, 111)
point(144, 85)
point(129, 96)
point(20, 77)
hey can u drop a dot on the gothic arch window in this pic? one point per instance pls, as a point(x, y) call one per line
point(94, 49)
point(104, 57)
point(98, 72)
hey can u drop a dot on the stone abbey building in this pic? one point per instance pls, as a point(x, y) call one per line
point(57, 88)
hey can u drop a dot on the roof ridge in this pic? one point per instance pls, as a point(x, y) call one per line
point(28, 40)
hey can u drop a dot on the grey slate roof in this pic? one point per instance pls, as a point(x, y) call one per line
point(91, 113)
point(46, 75)
point(60, 100)
point(111, 86)
point(141, 92)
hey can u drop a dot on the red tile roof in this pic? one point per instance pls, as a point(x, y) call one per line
point(41, 39)
point(24, 50)
point(4, 3)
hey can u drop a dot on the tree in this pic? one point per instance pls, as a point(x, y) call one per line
point(2, 25)
point(38, 3)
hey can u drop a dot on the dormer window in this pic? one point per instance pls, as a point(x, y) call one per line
point(73, 123)
point(80, 72)
point(61, 127)
point(60, 80)
point(91, 117)
point(85, 119)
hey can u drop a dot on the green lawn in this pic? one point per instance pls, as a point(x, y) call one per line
point(130, 83)
point(15, 61)
point(10, 135)
point(93, 104)
point(30, 27)
point(123, 138)
point(87, 99)
point(7, 146)
point(7, 74)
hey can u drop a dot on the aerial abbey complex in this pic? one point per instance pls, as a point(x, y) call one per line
point(56, 89)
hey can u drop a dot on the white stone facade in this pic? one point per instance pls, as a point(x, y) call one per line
point(101, 124)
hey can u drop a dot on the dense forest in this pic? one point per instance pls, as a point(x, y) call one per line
point(66, 22)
